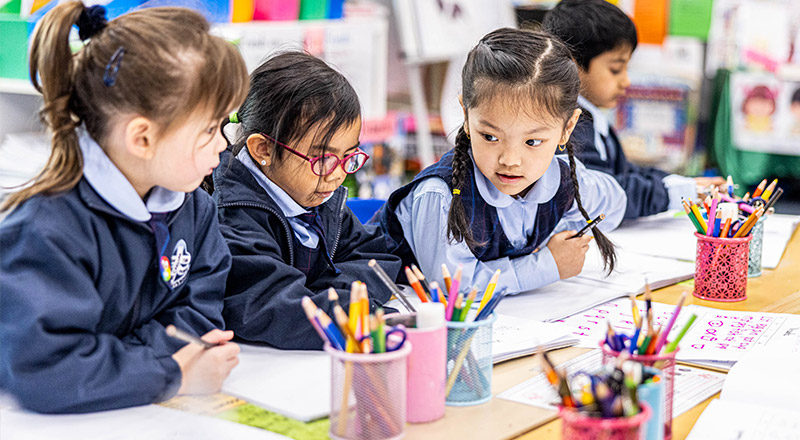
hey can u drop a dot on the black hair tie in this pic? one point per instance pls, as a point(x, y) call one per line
point(91, 21)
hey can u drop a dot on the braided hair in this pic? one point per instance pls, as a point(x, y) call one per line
point(531, 66)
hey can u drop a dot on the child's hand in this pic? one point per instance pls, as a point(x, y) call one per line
point(569, 254)
point(204, 370)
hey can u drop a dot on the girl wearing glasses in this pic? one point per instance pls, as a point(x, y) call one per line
point(282, 207)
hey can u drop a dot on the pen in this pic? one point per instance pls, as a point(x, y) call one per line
point(177, 333)
point(589, 225)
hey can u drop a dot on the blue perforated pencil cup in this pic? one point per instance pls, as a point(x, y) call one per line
point(469, 362)
point(756, 246)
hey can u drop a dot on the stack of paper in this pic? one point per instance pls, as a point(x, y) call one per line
point(515, 337)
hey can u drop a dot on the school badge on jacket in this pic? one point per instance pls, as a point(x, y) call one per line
point(179, 265)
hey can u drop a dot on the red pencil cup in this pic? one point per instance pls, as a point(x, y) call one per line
point(368, 394)
point(721, 268)
point(664, 362)
point(576, 425)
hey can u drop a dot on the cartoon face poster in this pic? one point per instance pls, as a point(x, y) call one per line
point(765, 113)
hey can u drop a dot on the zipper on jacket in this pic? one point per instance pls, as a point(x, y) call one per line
point(339, 228)
point(285, 223)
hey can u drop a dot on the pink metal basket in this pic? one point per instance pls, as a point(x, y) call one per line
point(580, 426)
point(721, 268)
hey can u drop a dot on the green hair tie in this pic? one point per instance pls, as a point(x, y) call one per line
point(234, 118)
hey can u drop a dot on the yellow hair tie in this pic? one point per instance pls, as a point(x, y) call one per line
point(456, 192)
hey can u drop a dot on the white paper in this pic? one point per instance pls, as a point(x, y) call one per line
point(766, 379)
point(150, 422)
point(513, 337)
point(692, 385)
point(590, 326)
point(296, 384)
point(724, 420)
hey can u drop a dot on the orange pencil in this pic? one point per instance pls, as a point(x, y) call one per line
point(725, 228)
point(749, 223)
point(416, 285)
point(760, 188)
point(746, 197)
point(448, 281)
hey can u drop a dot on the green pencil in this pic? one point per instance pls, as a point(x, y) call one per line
point(674, 344)
point(470, 299)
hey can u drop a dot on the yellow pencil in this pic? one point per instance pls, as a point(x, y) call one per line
point(355, 311)
point(698, 216)
point(487, 295)
point(768, 192)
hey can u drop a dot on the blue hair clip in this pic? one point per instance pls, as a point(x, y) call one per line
point(112, 68)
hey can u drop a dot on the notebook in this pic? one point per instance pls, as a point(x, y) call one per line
point(758, 401)
point(515, 337)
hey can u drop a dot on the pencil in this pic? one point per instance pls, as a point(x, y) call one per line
point(355, 311)
point(416, 285)
point(725, 229)
point(447, 279)
point(590, 224)
point(698, 216)
point(663, 338)
point(760, 188)
point(691, 216)
point(366, 345)
point(674, 344)
point(487, 295)
point(422, 280)
point(634, 308)
point(452, 294)
point(309, 307)
point(333, 296)
point(470, 299)
point(457, 309)
point(177, 333)
point(390, 284)
point(768, 192)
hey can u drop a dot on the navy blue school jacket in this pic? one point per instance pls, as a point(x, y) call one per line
point(83, 307)
point(644, 187)
point(262, 299)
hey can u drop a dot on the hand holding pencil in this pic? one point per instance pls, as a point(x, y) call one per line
point(205, 362)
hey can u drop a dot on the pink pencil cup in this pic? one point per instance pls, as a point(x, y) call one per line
point(664, 362)
point(276, 10)
point(576, 425)
point(427, 374)
point(368, 394)
point(721, 268)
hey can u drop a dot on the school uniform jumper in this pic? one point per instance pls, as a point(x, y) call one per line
point(649, 190)
point(509, 228)
point(280, 256)
point(83, 303)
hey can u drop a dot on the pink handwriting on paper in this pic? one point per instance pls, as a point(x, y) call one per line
point(722, 331)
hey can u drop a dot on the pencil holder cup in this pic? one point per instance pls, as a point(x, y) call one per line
point(427, 365)
point(664, 362)
point(721, 268)
point(576, 425)
point(368, 394)
point(756, 244)
point(469, 362)
point(653, 394)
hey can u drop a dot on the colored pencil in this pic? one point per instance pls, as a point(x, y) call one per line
point(422, 280)
point(309, 307)
point(448, 281)
point(760, 188)
point(663, 338)
point(416, 285)
point(768, 192)
point(470, 299)
point(674, 344)
point(487, 294)
point(452, 294)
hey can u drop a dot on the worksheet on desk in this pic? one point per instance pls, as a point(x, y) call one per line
point(723, 420)
point(692, 385)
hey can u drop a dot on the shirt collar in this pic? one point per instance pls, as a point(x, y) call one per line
point(285, 202)
point(113, 187)
point(543, 189)
point(599, 118)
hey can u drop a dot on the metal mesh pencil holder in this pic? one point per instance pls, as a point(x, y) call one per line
point(664, 362)
point(721, 268)
point(469, 362)
point(756, 245)
point(368, 394)
point(576, 425)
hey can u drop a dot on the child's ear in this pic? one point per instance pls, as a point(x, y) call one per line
point(571, 123)
point(140, 134)
point(259, 150)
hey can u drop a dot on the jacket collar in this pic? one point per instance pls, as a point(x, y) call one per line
point(114, 188)
point(599, 119)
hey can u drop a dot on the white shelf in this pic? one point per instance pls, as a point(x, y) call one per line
point(17, 86)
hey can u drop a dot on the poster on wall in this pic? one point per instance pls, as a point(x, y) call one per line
point(765, 113)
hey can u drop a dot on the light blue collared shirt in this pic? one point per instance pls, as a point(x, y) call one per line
point(678, 187)
point(423, 216)
point(291, 209)
point(113, 187)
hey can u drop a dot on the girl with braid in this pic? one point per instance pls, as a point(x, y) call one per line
point(510, 195)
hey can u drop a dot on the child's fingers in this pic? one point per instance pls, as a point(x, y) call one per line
point(217, 336)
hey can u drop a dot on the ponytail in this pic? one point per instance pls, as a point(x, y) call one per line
point(458, 228)
point(53, 75)
point(603, 243)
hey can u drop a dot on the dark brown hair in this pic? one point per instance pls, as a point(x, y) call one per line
point(170, 68)
point(537, 71)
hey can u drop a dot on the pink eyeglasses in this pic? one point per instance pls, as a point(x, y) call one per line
point(324, 165)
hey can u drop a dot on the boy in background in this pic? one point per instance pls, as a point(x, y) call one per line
point(602, 39)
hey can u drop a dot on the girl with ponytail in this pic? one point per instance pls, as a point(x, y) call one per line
point(510, 195)
point(112, 241)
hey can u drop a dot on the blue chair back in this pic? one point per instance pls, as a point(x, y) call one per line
point(364, 209)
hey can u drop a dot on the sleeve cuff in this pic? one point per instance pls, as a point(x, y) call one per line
point(536, 270)
point(679, 187)
point(172, 376)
